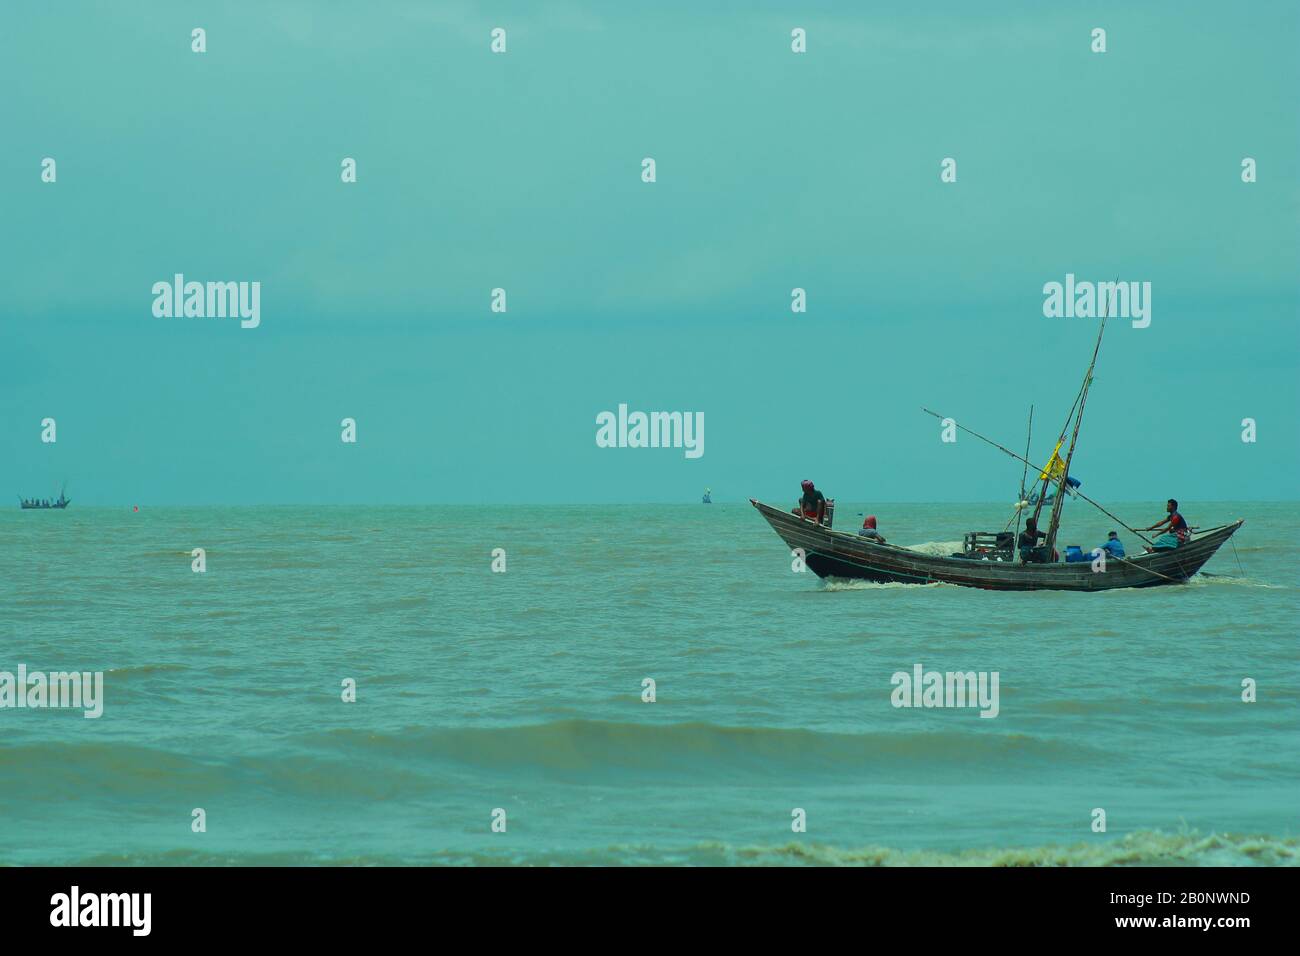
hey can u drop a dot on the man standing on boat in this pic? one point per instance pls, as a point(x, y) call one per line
point(1177, 531)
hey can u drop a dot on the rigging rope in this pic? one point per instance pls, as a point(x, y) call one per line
point(1077, 492)
point(1237, 556)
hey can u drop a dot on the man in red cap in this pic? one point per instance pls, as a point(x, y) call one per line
point(868, 530)
point(812, 503)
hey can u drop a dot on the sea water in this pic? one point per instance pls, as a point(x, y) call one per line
point(521, 696)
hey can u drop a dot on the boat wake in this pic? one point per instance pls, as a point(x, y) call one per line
point(1214, 580)
point(857, 584)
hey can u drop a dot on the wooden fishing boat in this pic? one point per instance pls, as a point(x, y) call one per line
point(39, 504)
point(829, 553)
point(989, 559)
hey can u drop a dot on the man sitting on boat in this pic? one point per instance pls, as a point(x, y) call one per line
point(1113, 547)
point(1028, 542)
point(1175, 534)
point(813, 502)
point(868, 530)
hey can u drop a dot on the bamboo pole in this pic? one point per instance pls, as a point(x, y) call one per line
point(1025, 475)
point(1055, 523)
point(1008, 451)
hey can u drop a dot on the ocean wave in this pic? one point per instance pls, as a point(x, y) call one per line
point(595, 747)
point(141, 669)
point(1140, 848)
point(148, 775)
point(307, 768)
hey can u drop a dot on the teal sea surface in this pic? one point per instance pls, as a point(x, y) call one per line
point(522, 692)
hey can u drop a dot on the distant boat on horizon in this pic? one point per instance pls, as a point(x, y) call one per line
point(39, 504)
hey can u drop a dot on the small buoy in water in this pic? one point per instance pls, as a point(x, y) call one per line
point(1021, 505)
point(136, 508)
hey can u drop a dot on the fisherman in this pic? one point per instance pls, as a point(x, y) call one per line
point(868, 530)
point(1175, 529)
point(1113, 547)
point(813, 502)
point(1028, 541)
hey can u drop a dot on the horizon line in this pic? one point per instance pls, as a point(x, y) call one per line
point(613, 504)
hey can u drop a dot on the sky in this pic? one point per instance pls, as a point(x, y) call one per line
point(522, 170)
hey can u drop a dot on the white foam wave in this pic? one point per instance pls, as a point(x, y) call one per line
point(854, 584)
point(1214, 580)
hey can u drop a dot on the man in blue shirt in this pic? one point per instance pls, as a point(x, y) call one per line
point(1113, 546)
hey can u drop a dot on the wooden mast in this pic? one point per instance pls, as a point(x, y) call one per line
point(1046, 474)
point(1055, 522)
point(1028, 441)
point(1025, 474)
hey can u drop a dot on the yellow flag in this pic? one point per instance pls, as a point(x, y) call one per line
point(1055, 468)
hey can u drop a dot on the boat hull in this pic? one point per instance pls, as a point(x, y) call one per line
point(836, 554)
